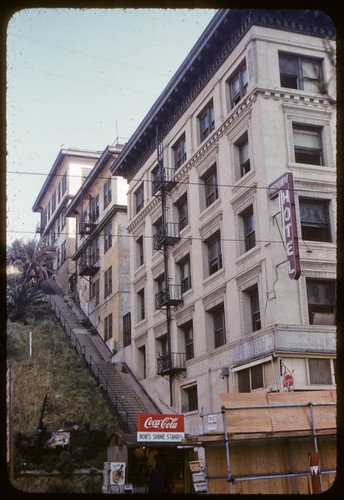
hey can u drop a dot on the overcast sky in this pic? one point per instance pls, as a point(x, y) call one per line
point(81, 78)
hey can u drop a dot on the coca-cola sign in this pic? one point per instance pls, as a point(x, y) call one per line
point(160, 427)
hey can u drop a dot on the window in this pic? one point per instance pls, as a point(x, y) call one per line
point(139, 252)
point(159, 285)
point(63, 252)
point(107, 191)
point(141, 312)
point(108, 282)
point(108, 237)
point(251, 378)
point(108, 327)
point(179, 152)
point(253, 303)
point(94, 290)
point(321, 301)
point(63, 218)
point(298, 72)
point(139, 198)
point(53, 203)
point(307, 144)
point(219, 326)
point(142, 364)
point(248, 228)
point(156, 228)
point(210, 186)
point(189, 399)
point(185, 273)
point(64, 184)
point(320, 371)
point(182, 207)
point(206, 121)
point(244, 155)
point(214, 253)
point(127, 329)
point(94, 251)
point(95, 208)
point(315, 223)
point(188, 338)
point(238, 85)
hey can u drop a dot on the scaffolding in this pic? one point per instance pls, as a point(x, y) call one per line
point(273, 438)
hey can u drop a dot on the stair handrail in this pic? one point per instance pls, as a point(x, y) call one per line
point(107, 386)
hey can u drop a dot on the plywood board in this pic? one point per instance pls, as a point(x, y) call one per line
point(255, 420)
point(283, 419)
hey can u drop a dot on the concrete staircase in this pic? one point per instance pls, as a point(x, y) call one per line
point(124, 394)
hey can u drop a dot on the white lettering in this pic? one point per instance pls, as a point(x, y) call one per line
point(165, 423)
point(287, 230)
point(290, 249)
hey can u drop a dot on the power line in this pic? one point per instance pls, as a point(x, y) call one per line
point(145, 236)
point(179, 182)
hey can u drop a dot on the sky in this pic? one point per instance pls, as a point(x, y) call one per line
point(83, 79)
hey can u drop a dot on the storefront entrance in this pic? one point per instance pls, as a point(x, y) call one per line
point(159, 469)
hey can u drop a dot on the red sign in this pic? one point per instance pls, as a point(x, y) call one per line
point(288, 382)
point(160, 427)
point(284, 188)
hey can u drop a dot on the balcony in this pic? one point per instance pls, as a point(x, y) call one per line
point(87, 264)
point(163, 179)
point(87, 225)
point(169, 296)
point(170, 363)
point(167, 235)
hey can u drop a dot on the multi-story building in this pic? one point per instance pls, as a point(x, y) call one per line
point(101, 253)
point(213, 308)
point(69, 171)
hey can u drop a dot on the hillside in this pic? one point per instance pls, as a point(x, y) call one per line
point(56, 370)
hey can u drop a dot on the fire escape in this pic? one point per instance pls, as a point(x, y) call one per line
point(89, 258)
point(170, 295)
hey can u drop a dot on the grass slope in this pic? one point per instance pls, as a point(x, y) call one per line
point(57, 370)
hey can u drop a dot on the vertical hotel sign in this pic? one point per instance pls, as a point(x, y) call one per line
point(283, 187)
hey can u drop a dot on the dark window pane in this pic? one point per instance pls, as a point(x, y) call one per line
point(320, 371)
point(244, 381)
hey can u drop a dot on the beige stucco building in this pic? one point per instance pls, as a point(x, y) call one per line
point(67, 174)
point(213, 309)
point(101, 252)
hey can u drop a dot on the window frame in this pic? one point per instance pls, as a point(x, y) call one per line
point(139, 197)
point(215, 263)
point(127, 329)
point(299, 76)
point(179, 152)
point(248, 372)
point(108, 330)
point(249, 228)
point(108, 236)
point(107, 192)
point(321, 308)
point(238, 74)
point(319, 228)
point(108, 282)
point(219, 325)
point(182, 210)
point(189, 398)
point(206, 121)
point(185, 279)
point(304, 154)
point(141, 309)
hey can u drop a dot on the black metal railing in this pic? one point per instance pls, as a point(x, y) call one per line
point(170, 362)
point(87, 264)
point(163, 179)
point(93, 365)
point(166, 235)
point(171, 295)
point(87, 224)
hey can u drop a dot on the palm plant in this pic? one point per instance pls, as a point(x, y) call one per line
point(25, 303)
point(32, 259)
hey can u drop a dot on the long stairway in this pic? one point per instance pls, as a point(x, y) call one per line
point(124, 394)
